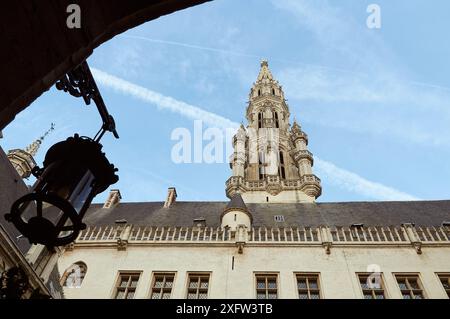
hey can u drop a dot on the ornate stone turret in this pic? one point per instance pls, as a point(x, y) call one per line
point(271, 162)
point(22, 160)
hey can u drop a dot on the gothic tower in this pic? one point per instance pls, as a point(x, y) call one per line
point(22, 160)
point(271, 162)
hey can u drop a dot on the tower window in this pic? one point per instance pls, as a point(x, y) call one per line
point(282, 170)
point(259, 92)
point(262, 168)
point(273, 91)
point(275, 118)
point(260, 119)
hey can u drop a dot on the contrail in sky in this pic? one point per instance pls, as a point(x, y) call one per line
point(335, 175)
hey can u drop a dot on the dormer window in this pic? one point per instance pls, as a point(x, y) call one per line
point(200, 222)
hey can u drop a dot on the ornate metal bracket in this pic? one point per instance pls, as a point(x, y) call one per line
point(79, 82)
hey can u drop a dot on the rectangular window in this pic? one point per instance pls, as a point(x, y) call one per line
point(445, 281)
point(282, 171)
point(126, 285)
point(162, 285)
point(198, 285)
point(261, 165)
point(266, 286)
point(308, 286)
point(410, 286)
point(372, 286)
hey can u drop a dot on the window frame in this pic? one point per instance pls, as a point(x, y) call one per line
point(281, 165)
point(66, 274)
point(308, 274)
point(444, 274)
point(261, 166)
point(260, 119)
point(153, 281)
point(267, 274)
point(275, 119)
point(410, 275)
point(199, 274)
point(119, 275)
point(383, 285)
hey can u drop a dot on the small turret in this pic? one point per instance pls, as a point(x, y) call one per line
point(23, 160)
point(236, 214)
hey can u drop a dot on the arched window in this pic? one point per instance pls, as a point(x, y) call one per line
point(259, 92)
point(74, 275)
point(260, 120)
point(261, 166)
point(273, 91)
point(275, 119)
point(282, 170)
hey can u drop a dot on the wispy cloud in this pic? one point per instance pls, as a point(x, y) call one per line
point(161, 101)
point(335, 175)
point(354, 183)
point(379, 97)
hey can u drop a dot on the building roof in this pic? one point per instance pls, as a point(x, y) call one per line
point(236, 202)
point(421, 213)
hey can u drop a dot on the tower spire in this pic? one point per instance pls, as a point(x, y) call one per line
point(23, 160)
point(264, 73)
point(33, 148)
point(271, 161)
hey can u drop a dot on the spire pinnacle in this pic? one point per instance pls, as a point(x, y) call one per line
point(264, 73)
point(34, 147)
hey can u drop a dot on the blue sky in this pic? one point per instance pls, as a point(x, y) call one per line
point(374, 102)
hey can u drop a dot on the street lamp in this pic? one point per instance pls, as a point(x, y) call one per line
point(74, 172)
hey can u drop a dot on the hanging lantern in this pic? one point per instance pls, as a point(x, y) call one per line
point(74, 172)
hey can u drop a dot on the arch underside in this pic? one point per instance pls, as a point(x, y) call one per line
point(39, 48)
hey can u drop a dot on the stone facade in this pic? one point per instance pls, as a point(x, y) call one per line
point(271, 240)
point(271, 162)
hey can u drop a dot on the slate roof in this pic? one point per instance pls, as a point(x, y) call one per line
point(422, 213)
point(237, 202)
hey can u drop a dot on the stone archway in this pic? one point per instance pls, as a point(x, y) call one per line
point(38, 48)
